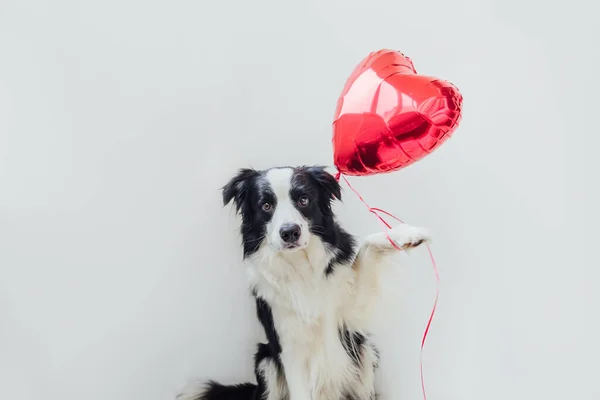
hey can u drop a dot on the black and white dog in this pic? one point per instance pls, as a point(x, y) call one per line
point(314, 294)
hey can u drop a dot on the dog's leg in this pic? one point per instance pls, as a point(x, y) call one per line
point(269, 375)
point(296, 376)
point(375, 256)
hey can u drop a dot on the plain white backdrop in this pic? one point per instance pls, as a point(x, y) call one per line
point(120, 273)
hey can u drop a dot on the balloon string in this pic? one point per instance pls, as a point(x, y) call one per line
point(377, 211)
point(374, 211)
point(435, 302)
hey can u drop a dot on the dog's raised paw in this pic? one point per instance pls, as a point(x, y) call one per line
point(408, 236)
point(404, 235)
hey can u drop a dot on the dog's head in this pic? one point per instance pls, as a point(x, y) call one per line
point(283, 207)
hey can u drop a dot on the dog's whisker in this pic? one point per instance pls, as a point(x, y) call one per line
point(255, 240)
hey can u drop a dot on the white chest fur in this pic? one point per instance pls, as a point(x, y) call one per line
point(306, 309)
point(313, 354)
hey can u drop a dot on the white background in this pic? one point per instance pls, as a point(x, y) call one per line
point(119, 120)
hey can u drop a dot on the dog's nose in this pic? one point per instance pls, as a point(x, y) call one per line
point(290, 233)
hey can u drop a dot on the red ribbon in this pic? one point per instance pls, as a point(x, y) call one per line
point(377, 212)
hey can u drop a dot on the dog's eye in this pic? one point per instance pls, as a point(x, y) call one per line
point(303, 201)
point(267, 207)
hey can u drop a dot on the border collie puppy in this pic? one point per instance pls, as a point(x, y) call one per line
point(314, 293)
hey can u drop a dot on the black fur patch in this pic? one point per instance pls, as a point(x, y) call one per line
point(324, 188)
point(353, 344)
point(246, 192)
point(266, 351)
point(344, 244)
point(216, 391)
point(265, 316)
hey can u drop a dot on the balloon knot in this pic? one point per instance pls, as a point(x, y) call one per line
point(338, 175)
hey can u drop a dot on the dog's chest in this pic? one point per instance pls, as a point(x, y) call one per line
point(316, 345)
point(308, 320)
point(306, 306)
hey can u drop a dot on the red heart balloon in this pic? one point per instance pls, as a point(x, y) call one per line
point(388, 116)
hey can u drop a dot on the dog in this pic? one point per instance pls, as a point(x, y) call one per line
point(314, 292)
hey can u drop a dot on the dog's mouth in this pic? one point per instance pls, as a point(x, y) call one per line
point(294, 246)
point(291, 246)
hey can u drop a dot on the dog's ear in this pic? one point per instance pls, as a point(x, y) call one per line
point(326, 181)
point(236, 189)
